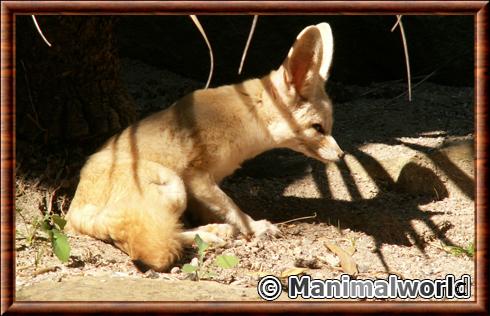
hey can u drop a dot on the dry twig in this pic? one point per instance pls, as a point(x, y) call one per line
point(249, 39)
point(38, 28)
point(211, 55)
point(45, 270)
point(297, 219)
point(405, 49)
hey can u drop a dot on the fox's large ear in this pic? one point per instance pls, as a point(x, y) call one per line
point(310, 58)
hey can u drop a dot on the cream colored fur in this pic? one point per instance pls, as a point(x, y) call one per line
point(133, 191)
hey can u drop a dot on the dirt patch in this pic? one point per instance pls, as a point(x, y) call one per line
point(107, 287)
point(402, 202)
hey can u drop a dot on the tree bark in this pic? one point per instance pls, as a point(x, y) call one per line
point(71, 91)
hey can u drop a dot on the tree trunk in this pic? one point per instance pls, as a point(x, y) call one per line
point(70, 92)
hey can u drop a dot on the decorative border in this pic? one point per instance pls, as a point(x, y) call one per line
point(10, 8)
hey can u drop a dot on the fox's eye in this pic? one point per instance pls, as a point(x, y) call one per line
point(318, 128)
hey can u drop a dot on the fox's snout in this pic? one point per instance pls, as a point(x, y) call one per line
point(330, 150)
point(340, 153)
point(327, 150)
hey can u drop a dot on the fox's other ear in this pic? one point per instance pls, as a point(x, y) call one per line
point(310, 58)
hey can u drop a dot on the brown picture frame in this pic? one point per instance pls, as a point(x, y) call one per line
point(479, 9)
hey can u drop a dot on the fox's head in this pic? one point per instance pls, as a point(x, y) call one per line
point(303, 111)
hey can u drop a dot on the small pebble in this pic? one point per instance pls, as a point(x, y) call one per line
point(238, 242)
point(175, 270)
point(311, 263)
point(363, 268)
point(218, 250)
point(195, 262)
point(237, 282)
point(150, 274)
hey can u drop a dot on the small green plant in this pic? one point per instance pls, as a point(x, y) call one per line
point(222, 261)
point(459, 251)
point(470, 250)
point(53, 226)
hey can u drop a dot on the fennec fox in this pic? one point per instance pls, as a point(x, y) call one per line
point(133, 191)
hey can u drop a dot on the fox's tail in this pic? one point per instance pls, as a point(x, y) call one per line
point(153, 240)
point(137, 211)
point(150, 237)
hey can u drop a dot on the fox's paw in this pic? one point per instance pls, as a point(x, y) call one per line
point(188, 237)
point(264, 228)
point(211, 238)
point(224, 231)
point(215, 234)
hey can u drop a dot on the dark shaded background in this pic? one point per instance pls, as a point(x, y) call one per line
point(365, 49)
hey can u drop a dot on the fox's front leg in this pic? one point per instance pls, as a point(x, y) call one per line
point(204, 191)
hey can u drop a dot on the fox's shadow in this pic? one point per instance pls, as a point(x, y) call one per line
point(387, 217)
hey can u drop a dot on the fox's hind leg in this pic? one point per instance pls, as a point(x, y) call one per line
point(135, 206)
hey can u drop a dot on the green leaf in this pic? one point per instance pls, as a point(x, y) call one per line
point(201, 244)
point(471, 250)
point(189, 268)
point(61, 247)
point(59, 221)
point(226, 261)
point(56, 232)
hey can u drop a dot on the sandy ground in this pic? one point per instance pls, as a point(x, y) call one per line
point(401, 203)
